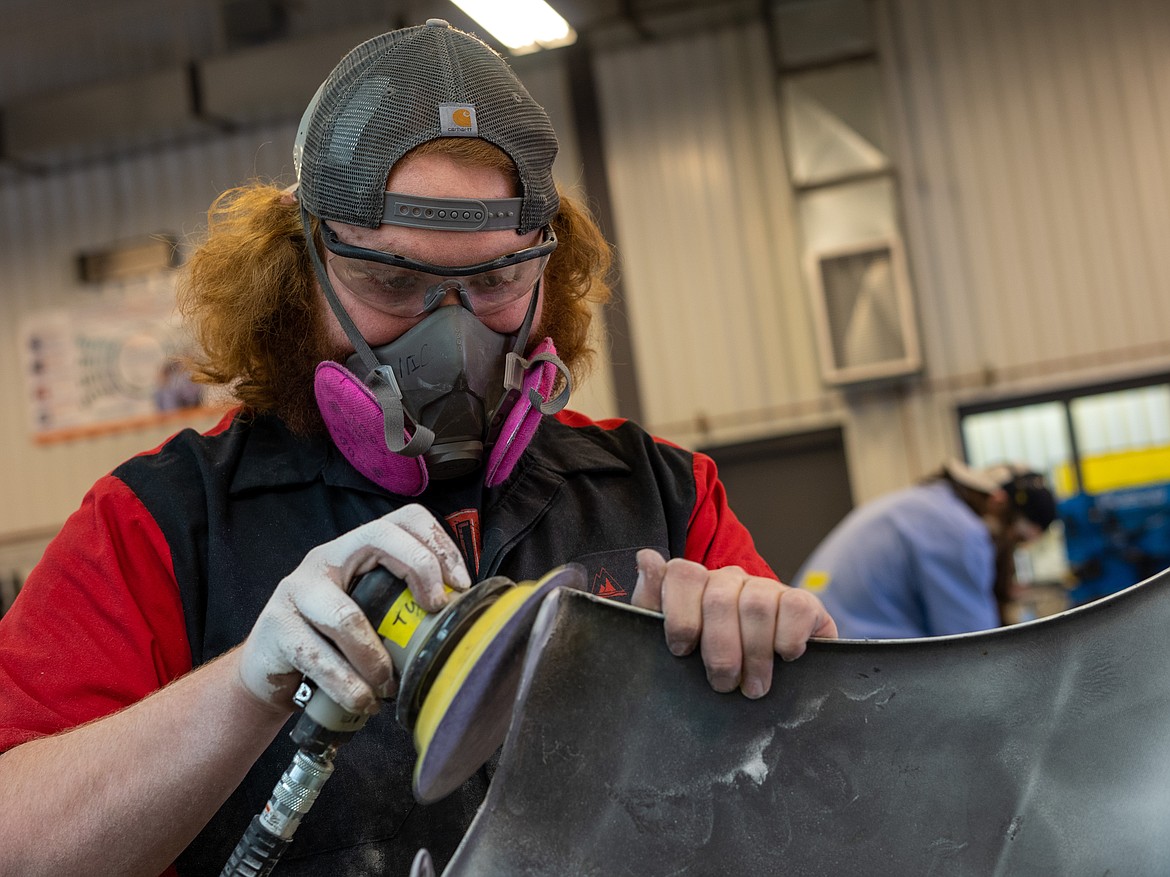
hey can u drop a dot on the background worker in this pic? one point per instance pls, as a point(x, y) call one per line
point(399, 331)
point(932, 559)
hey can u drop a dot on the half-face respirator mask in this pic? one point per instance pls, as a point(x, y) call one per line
point(449, 390)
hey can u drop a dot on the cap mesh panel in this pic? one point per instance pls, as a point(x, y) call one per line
point(382, 100)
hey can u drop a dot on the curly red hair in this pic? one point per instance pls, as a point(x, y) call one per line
point(251, 298)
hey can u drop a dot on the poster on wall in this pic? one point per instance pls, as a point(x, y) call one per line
point(109, 363)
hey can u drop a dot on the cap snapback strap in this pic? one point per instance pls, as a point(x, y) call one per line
point(451, 214)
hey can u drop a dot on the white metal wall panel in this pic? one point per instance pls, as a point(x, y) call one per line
point(44, 223)
point(704, 227)
point(1035, 160)
point(545, 77)
point(1038, 184)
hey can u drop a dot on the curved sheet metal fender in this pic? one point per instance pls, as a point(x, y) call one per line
point(1038, 749)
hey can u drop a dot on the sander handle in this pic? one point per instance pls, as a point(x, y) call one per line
point(380, 594)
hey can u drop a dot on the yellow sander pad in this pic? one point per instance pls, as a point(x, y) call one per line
point(465, 714)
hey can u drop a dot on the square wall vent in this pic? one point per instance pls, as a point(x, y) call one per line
point(864, 313)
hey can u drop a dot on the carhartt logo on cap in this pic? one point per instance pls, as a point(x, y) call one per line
point(458, 120)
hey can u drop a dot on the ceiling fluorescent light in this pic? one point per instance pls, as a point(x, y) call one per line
point(522, 25)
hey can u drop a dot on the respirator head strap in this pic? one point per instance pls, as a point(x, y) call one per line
point(515, 365)
point(347, 325)
point(384, 386)
point(380, 380)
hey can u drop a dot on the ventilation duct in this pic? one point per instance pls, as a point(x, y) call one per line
point(101, 120)
point(252, 86)
point(274, 81)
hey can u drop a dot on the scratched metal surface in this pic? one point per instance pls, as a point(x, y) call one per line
point(1040, 749)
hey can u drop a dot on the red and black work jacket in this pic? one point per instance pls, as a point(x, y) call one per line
point(172, 556)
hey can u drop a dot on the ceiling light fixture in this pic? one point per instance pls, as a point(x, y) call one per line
point(523, 26)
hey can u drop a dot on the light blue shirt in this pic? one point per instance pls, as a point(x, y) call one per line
point(916, 562)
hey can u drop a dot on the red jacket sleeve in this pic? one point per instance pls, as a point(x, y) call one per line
point(97, 626)
point(715, 536)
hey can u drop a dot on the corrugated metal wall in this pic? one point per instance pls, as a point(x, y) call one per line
point(705, 230)
point(44, 223)
point(1036, 187)
point(1038, 182)
point(1034, 167)
point(546, 78)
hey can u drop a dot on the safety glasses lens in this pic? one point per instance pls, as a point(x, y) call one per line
point(408, 293)
point(400, 286)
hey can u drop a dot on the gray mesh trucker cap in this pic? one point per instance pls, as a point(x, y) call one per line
point(404, 88)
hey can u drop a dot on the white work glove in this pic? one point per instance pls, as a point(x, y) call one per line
point(311, 626)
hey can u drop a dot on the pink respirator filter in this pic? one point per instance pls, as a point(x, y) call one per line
point(354, 420)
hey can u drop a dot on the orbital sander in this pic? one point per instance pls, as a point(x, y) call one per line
point(458, 672)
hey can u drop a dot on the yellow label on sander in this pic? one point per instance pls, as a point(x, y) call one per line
point(402, 620)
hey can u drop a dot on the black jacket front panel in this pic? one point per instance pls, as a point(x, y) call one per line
point(240, 509)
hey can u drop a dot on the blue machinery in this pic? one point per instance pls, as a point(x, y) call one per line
point(1116, 538)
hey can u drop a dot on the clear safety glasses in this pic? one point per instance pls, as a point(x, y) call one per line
point(406, 288)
